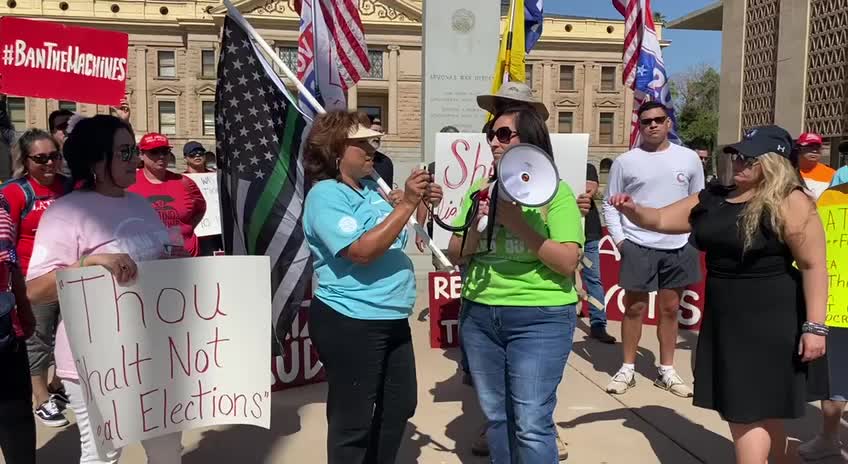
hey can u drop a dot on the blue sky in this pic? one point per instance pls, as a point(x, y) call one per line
point(688, 48)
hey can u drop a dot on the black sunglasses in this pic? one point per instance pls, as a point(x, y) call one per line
point(658, 120)
point(44, 158)
point(129, 152)
point(196, 154)
point(739, 157)
point(504, 134)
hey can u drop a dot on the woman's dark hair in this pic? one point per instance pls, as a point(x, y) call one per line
point(23, 148)
point(326, 143)
point(92, 141)
point(531, 128)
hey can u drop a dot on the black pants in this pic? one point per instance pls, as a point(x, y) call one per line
point(371, 379)
point(17, 424)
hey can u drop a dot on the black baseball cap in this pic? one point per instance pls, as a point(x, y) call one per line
point(192, 147)
point(761, 140)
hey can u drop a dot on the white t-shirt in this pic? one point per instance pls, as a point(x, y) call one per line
point(86, 223)
point(653, 179)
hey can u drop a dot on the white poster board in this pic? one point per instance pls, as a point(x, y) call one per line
point(185, 346)
point(462, 159)
point(211, 222)
point(461, 40)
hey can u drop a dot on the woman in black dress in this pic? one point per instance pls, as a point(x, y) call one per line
point(764, 319)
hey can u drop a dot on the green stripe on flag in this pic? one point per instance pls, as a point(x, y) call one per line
point(276, 182)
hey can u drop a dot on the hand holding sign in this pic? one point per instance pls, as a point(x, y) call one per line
point(122, 267)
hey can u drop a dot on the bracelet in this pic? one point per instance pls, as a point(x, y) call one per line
point(815, 328)
point(82, 260)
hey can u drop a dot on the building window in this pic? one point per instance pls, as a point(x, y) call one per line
point(373, 112)
point(566, 77)
point(17, 112)
point(605, 126)
point(209, 118)
point(566, 122)
point(168, 118)
point(167, 64)
point(289, 57)
point(528, 75)
point(68, 105)
point(376, 59)
point(608, 78)
point(207, 63)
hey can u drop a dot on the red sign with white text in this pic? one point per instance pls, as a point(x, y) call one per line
point(445, 289)
point(50, 60)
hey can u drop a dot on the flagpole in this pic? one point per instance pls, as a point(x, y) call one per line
point(508, 38)
point(257, 39)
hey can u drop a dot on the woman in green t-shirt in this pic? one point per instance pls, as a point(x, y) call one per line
point(519, 299)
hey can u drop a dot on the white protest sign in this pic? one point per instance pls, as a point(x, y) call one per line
point(462, 159)
point(211, 222)
point(185, 346)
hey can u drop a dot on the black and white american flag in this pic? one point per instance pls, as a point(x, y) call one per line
point(258, 130)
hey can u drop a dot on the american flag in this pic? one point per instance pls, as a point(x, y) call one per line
point(644, 69)
point(332, 55)
point(259, 128)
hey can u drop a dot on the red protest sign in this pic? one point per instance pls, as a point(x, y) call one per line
point(50, 60)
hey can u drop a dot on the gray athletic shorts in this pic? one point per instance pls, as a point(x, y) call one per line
point(647, 269)
point(40, 345)
point(837, 362)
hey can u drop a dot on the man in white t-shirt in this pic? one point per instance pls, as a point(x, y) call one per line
point(655, 174)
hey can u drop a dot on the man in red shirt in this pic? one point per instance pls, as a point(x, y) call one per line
point(175, 197)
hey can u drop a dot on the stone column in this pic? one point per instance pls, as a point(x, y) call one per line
point(589, 116)
point(393, 89)
point(547, 95)
point(352, 98)
point(140, 118)
point(791, 73)
point(732, 63)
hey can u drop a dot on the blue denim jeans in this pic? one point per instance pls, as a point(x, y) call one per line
point(592, 281)
point(517, 356)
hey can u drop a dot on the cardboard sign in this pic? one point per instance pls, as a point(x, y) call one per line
point(833, 209)
point(462, 159)
point(51, 60)
point(208, 185)
point(185, 346)
point(445, 291)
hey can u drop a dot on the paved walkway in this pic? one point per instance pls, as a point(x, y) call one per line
point(645, 426)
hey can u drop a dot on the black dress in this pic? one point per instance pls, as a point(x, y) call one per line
point(747, 365)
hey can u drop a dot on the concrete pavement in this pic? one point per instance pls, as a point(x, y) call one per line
point(644, 426)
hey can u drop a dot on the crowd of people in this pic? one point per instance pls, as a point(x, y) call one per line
point(84, 193)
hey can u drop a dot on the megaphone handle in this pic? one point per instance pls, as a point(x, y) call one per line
point(437, 252)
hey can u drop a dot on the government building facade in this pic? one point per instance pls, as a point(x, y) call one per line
point(173, 51)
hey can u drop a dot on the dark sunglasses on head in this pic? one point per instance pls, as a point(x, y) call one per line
point(504, 134)
point(128, 152)
point(648, 121)
point(44, 158)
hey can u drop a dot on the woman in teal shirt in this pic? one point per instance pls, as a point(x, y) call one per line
point(519, 312)
point(365, 293)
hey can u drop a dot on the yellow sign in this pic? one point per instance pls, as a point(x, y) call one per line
point(833, 209)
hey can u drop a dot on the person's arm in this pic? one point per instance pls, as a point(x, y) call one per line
point(456, 252)
point(561, 251)
point(615, 185)
point(672, 219)
point(22, 303)
point(198, 203)
point(804, 234)
point(42, 289)
point(698, 181)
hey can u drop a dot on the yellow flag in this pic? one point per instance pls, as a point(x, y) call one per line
point(510, 64)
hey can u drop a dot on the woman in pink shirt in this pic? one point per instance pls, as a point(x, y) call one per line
point(175, 197)
point(99, 224)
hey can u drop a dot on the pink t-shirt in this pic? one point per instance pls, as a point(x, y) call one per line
point(83, 223)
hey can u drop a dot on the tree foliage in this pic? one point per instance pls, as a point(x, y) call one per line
point(695, 95)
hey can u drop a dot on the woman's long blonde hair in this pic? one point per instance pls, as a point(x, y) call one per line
point(779, 180)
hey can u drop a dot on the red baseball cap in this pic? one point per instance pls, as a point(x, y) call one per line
point(808, 138)
point(153, 141)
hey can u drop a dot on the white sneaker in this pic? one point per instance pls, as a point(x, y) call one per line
point(820, 448)
point(672, 382)
point(623, 380)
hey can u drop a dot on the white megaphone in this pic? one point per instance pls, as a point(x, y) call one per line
point(526, 175)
